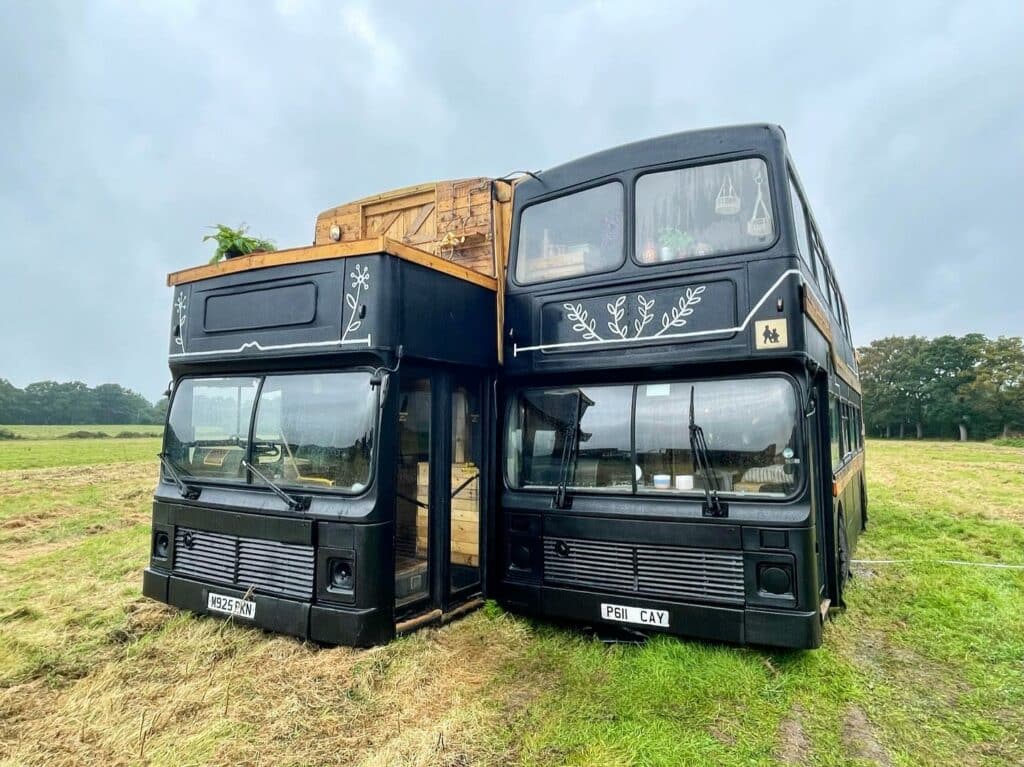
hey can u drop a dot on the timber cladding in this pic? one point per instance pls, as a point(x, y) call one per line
point(846, 473)
point(816, 313)
point(454, 220)
point(465, 511)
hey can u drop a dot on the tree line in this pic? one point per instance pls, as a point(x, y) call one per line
point(952, 386)
point(50, 402)
point(947, 387)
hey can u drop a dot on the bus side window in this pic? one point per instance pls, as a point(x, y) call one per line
point(845, 414)
point(833, 418)
point(819, 262)
point(800, 223)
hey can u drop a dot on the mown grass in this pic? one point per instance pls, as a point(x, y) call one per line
point(43, 453)
point(926, 667)
point(52, 431)
point(1009, 442)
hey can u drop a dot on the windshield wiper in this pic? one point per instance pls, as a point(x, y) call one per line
point(295, 502)
point(562, 500)
point(187, 491)
point(713, 507)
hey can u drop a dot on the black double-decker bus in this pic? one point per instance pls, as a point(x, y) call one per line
point(326, 469)
point(680, 434)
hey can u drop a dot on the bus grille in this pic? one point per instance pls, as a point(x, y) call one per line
point(709, 575)
point(267, 566)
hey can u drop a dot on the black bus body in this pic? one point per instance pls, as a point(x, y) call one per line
point(680, 433)
point(326, 460)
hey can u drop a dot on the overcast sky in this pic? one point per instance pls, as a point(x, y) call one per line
point(128, 127)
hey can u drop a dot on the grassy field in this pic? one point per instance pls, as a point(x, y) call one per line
point(926, 668)
point(53, 431)
point(43, 453)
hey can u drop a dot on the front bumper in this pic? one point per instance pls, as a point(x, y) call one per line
point(329, 624)
point(739, 625)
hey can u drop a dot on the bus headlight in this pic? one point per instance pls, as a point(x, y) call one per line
point(776, 580)
point(341, 575)
point(161, 544)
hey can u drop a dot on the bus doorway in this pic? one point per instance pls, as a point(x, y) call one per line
point(439, 486)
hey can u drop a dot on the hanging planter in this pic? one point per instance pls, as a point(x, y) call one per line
point(760, 223)
point(727, 203)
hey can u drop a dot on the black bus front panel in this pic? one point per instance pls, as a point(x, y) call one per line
point(312, 578)
point(661, 566)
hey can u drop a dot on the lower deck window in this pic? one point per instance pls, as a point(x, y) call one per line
point(313, 430)
point(316, 430)
point(207, 432)
point(636, 439)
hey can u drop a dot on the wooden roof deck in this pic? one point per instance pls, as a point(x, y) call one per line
point(332, 250)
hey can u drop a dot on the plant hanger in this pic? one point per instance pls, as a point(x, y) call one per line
point(727, 203)
point(760, 223)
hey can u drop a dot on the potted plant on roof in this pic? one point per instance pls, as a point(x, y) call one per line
point(232, 243)
point(673, 243)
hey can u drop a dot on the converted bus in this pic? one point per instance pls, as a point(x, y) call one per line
point(326, 468)
point(673, 441)
point(681, 434)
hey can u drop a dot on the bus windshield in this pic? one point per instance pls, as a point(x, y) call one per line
point(750, 425)
point(313, 430)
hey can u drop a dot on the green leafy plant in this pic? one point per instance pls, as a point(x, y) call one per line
point(674, 239)
point(235, 242)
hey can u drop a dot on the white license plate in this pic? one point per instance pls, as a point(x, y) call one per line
point(645, 616)
point(243, 608)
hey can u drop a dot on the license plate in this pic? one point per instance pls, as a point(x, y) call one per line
point(645, 616)
point(243, 608)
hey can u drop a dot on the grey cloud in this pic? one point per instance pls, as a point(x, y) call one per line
point(130, 127)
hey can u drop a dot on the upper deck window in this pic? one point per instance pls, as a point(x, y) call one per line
point(703, 211)
point(577, 234)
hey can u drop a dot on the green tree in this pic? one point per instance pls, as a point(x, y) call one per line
point(12, 403)
point(998, 389)
point(952, 365)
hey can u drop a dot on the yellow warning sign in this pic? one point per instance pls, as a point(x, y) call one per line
point(771, 334)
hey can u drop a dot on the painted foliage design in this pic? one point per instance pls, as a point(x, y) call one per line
point(675, 317)
point(181, 306)
point(360, 276)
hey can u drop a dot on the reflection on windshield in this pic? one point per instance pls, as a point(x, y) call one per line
point(750, 426)
point(751, 431)
point(208, 428)
point(312, 430)
point(316, 430)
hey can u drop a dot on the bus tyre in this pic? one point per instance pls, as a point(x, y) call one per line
point(843, 557)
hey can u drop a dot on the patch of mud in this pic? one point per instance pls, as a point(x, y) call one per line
point(794, 746)
point(876, 654)
point(721, 732)
point(860, 739)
